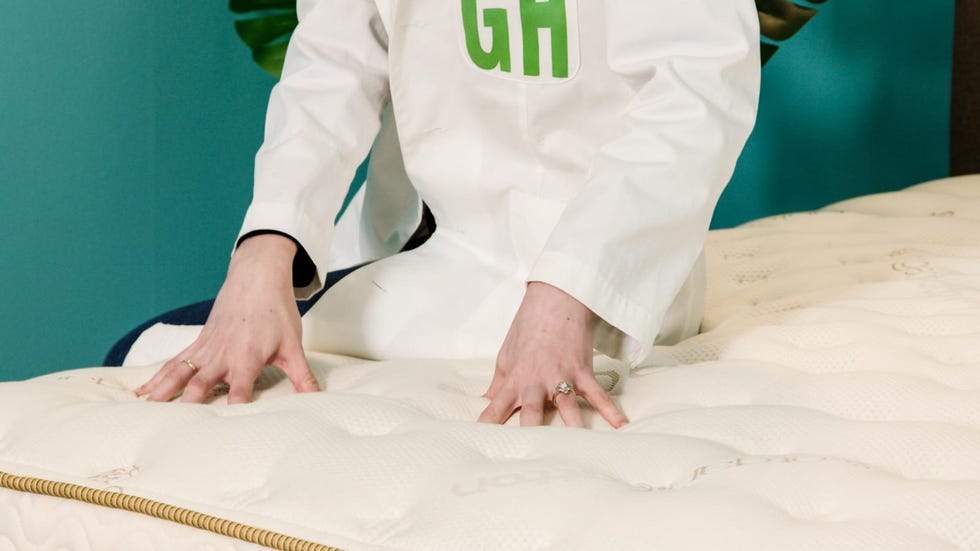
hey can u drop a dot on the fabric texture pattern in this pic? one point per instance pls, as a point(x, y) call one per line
point(830, 403)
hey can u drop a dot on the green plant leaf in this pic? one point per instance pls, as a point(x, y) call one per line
point(267, 25)
point(259, 32)
point(779, 20)
point(768, 50)
point(271, 57)
point(249, 6)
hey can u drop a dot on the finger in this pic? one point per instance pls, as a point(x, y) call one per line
point(240, 388)
point(199, 386)
point(592, 391)
point(178, 373)
point(495, 385)
point(159, 376)
point(499, 410)
point(165, 369)
point(293, 363)
point(569, 411)
point(532, 410)
point(148, 386)
point(491, 391)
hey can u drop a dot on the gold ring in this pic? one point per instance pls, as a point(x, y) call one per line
point(190, 364)
point(561, 388)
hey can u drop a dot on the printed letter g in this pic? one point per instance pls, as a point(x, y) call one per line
point(495, 19)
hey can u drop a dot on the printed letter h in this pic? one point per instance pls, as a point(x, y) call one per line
point(550, 15)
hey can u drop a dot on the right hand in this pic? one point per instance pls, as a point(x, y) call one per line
point(254, 322)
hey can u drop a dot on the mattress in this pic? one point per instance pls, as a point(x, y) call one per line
point(831, 402)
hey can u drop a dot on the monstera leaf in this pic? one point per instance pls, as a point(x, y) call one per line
point(779, 20)
point(266, 25)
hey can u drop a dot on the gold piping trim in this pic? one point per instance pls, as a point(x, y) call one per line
point(160, 510)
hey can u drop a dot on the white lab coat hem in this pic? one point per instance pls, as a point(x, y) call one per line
point(625, 330)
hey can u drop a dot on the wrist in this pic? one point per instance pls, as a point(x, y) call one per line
point(268, 244)
point(559, 301)
point(269, 255)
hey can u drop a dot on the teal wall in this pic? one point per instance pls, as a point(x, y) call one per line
point(856, 103)
point(127, 132)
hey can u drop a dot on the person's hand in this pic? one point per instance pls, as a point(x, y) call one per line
point(550, 340)
point(254, 323)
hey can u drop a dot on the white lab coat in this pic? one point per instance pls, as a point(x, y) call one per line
point(591, 160)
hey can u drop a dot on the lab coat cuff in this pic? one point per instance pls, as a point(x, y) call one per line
point(625, 330)
point(287, 219)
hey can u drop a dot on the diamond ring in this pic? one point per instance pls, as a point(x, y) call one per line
point(561, 388)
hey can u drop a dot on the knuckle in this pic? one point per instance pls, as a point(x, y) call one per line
point(198, 385)
point(504, 408)
point(160, 394)
point(250, 349)
point(503, 364)
point(586, 379)
point(592, 389)
point(532, 407)
point(293, 345)
point(232, 364)
point(563, 403)
point(599, 398)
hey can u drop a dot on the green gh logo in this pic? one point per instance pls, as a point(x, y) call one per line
point(535, 16)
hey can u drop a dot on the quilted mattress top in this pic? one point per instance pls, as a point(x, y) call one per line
point(832, 401)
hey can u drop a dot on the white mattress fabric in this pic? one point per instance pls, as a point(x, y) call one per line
point(832, 402)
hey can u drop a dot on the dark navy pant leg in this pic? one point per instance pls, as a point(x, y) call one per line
point(197, 314)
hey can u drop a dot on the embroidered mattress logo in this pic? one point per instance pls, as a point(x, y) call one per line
point(525, 40)
point(547, 476)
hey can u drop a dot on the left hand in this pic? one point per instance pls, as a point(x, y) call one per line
point(550, 340)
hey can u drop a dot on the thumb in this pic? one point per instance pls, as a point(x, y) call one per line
point(297, 369)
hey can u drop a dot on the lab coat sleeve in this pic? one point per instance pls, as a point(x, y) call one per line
point(628, 240)
point(322, 119)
